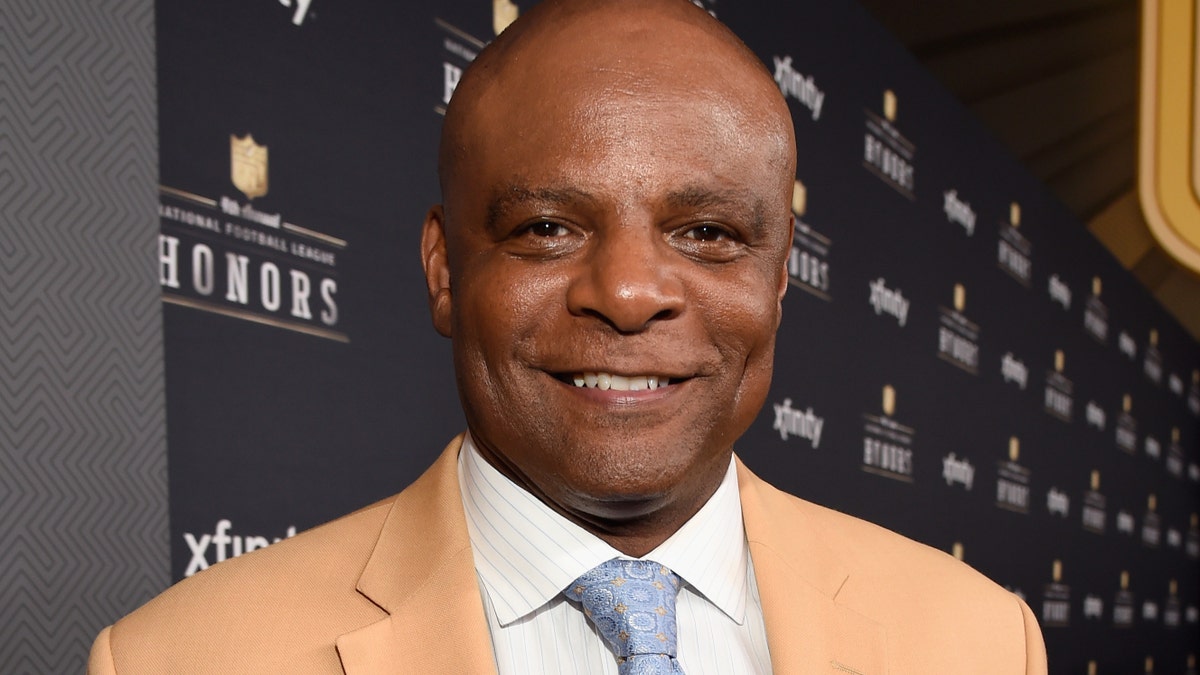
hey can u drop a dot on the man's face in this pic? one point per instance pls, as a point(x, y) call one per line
point(616, 248)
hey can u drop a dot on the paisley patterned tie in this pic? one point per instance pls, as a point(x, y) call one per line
point(632, 604)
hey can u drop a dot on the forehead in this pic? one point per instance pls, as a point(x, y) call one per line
point(571, 72)
point(623, 98)
point(624, 130)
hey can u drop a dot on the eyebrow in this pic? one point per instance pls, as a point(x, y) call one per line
point(692, 197)
point(700, 198)
point(513, 195)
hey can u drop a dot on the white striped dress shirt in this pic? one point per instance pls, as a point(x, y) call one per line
point(526, 553)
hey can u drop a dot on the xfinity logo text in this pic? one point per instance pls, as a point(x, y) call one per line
point(798, 86)
point(958, 211)
point(1096, 416)
point(1060, 292)
point(955, 470)
point(1127, 345)
point(887, 301)
point(224, 545)
point(1014, 370)
point(799, 423)
point(1057, 502)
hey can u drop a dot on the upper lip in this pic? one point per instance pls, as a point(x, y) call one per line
point(672, 363)
point(673, 376)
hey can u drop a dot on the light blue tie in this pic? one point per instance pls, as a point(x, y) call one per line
point(632, 604)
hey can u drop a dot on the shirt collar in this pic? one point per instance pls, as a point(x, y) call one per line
point(526, 553)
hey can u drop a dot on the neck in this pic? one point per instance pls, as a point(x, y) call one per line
point(636, 536)
point(633, 525)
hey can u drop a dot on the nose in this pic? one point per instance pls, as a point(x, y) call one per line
point(630, 280)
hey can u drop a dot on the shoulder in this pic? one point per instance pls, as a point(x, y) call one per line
point(882, 564)
point(800, 528)
point(883, 560)
point(335, 550)
point(281, 608)
point(932, 606)
point(293, 595)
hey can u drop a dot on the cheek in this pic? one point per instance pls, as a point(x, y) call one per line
point(500, 314)
point(743, 316)
point(498, 304)
point(741, 321)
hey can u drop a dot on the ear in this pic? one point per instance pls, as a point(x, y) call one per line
point(437, 269)
point(783, 271)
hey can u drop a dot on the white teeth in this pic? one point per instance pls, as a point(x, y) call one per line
point(607, 381)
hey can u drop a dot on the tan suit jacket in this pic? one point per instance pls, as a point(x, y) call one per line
point(392, 589)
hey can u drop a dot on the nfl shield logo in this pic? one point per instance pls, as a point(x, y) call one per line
point(248, 166)
point(504, 12)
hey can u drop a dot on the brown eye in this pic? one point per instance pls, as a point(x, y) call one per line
point(706, 233)
point(546, 229)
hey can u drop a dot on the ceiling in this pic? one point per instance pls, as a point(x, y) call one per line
point(1057, 82)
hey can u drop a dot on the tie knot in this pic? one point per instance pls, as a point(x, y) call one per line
point(632, 604)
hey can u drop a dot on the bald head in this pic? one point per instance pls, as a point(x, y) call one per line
point(615, 53)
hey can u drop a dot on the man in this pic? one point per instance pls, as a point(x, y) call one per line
point(609, 263)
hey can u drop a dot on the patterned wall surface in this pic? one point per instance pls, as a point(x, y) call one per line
point(83, 517)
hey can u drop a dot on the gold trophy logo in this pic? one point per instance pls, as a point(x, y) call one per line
point(799, 198)
point(957, 550)
point(889, 400)
point(1127, 403)
point(1096, 286)
point(960, 298)
point(1059, 361)
point(1056, 571)
point(1014, 449)
point(1014, 214)
point(504, 12)
point(889, 105)
point(1095, 480)
point(1153, 337)
point(248, 166)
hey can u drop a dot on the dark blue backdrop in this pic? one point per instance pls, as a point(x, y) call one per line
point(942, 305)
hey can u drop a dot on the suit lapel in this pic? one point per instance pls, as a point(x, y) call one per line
point(799, 578)
point(422, 574)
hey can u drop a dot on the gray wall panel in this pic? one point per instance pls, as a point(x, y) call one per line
point(83, 503)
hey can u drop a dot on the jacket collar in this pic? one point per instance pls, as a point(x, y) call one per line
point(799, 578)
point(423, 575)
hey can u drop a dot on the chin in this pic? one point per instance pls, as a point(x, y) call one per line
point(628, 477)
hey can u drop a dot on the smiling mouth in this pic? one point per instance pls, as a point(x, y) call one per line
point(611, 382)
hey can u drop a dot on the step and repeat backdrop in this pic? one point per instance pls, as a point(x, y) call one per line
point(959, 360)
